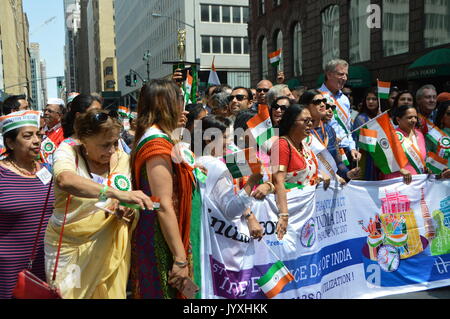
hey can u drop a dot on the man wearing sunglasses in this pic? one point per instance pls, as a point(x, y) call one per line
point(336, 75)
point(239, 100)
point(261, 93)
point(53, 131)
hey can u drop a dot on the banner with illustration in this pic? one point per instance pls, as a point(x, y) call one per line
point(363, 240)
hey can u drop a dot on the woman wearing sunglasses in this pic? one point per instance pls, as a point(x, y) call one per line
point(94, 261)
point(278, 108)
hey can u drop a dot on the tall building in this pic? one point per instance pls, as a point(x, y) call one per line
point(15, 71)
point(44, 82)
point(406, 42)
point(36, 97)
point(72, 18)
point(213, 29)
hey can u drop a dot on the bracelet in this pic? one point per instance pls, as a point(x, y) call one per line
point(102, 196)
point(247, 216)
point(283, 215)
point(181, 264)
point(272, 187)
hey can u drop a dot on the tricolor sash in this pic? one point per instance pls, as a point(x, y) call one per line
point(412, 153)
point(340, 114)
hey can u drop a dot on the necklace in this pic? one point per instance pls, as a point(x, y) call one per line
point(22, 170)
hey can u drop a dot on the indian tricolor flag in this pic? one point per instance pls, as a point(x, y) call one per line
point(434, 134)
point(436, 163)
point(389, 156)
point(344, 157)
point(368, 140)
point(261, 128)
point(275, 57)
point(273, 282)
point(123, 111)
point(243, 163)
point(383, 89)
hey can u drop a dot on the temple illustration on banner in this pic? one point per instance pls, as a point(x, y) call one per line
point(441, 216)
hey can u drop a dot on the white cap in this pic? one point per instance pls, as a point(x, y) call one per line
point(55, 101)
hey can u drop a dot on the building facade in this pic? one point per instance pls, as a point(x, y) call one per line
point(37, 93)
point(72, 24)
point(15, 71)
point(214, 29)
point(379, 38)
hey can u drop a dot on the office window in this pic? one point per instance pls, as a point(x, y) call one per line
point(359, 32)
point(279, 45)
point(262, 7)
point(395, 27)
point(109, 70)
point(437, 22)
point(206, 44)
point(297, 49)
point(227, 45)
point(264, 59)
point(237, 45)
point(236, 14)
point(216, 45)
point(204, 12)
point(226, 14)
point(330, 34)
point(215, 13)
point(245, 14)
point(246, 46)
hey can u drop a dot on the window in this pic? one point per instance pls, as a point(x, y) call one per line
point(264, 59)
point(246, 46)
point(279, 45)
point(226, 14)
point(330, 34)
point(216, 45)
point(395, 27)
point(227, 45)
point(262, 7)
point(206, 44)
point(276, 3)
point(359, 32)
point(215, 13)
point(237, 45)
point(108, 70)
point(437, 22)
point(297, 49)
point(110, 84)
point(245, 14)
point(204, 12)
point(236, 14)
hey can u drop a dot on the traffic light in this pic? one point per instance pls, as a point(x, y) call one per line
point(60, 84)
point(135, 79)
point(128, 80)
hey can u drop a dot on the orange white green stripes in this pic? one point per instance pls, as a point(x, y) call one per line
point(389, 156)
point(123, 111)
point(261, 128)
point(436, 163)
point(275, 57)
point(383, 89)
point(273, 282)
point(344, 157)
point(243, 163)
point(368, 139)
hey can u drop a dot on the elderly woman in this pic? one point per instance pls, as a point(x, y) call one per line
point(161, 244)
point(295, 165)
point(24, 189)
point(95, 246)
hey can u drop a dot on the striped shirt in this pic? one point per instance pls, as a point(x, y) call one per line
point(21, 203)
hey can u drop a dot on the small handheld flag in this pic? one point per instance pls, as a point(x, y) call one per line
point(275, 58)
point(274, 280)
point(435, 163)
point(344, 157)
point(123, 111)
point(383, 89)
point(261, 128)
point(213, 78)
point(243, 163)
point(368, 140)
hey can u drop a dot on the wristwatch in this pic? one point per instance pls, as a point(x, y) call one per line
point(102, 196)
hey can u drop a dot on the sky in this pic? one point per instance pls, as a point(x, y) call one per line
point(51, 37)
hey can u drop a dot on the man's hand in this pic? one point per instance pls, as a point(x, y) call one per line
point(356, 155)
point(177, 77)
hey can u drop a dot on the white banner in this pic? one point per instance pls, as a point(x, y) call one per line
point(365, 240)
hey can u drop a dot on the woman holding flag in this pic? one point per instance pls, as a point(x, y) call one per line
point(370, 109)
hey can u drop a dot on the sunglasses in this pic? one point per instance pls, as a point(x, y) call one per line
point(329, 106)
point(103, 117)
point(262, 90)
point(317, 102)
point(278, 106)
point(238, 97)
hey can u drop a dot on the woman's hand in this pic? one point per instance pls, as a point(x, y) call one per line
point(261, 191)
point(407, 177)
point(177, 77)
point(135, 197)
point(254, 227)
point(183, 119)
point(340, 180)
point(354, 173)
point(283, 222)
point(326, 179)
point(177, 276)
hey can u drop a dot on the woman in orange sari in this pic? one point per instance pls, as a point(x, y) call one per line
point(161, 244)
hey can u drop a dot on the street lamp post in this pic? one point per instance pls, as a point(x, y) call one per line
point(159, 15)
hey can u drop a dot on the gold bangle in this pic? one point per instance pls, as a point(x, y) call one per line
point(272, 187)
point(283, 215)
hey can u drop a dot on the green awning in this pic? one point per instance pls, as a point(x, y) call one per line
point(358, 77)
point(433, 64)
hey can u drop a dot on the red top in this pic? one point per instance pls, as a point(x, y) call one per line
point(57, 135)
point(293, 162)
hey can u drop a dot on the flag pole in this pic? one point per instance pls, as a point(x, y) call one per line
point(378, 94)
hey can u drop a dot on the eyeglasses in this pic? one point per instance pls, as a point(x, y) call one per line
point(262, 90)
point(318, 102)
point(239, 97)
point(278, 106)
point(306, 121)
point(51, 111)
point(329, 106)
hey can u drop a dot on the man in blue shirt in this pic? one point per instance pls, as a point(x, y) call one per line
point(336, 75)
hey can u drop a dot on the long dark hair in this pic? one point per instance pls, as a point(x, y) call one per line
point(308, 96)
point(210, 122)
point(79, 105)
point(364, 109)
point(397, 99)
point(441, 110)
point(289, 118)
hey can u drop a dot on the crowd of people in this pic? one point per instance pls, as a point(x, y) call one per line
point(120, 209)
